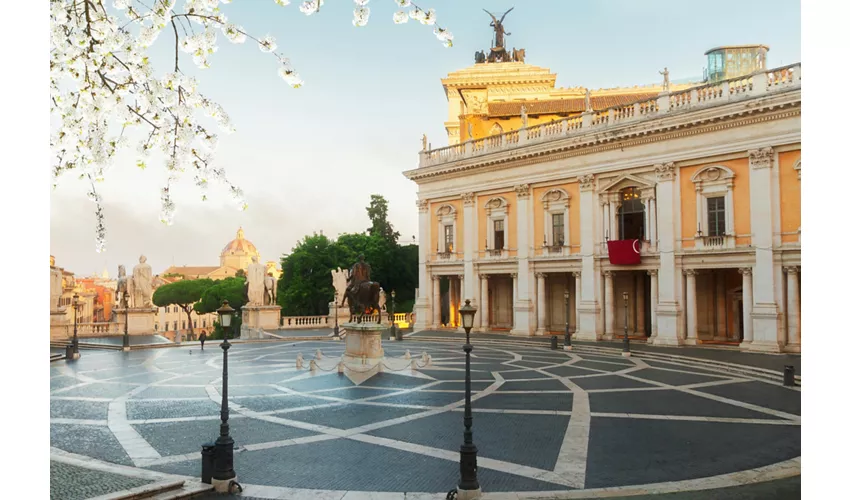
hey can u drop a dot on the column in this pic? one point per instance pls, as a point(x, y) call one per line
point(575, 300)
point(470, 233)
point(765, 317)
point(524, 286)
point(640, 305)
point(513, 300)
point(748, 304)
point(485, 302)
point(606, 218)
point(541, 304)
point(613, 208)
point(423, 314)
point(452, 294)
point(609, 304)
point(668, 311)
point(720, 304)
point(435, 285)
point(461, 300)
point(653, 300)
point(691, 301)
point(588, 312)
point(793, 309)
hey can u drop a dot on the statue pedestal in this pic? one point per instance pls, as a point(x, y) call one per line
point(363, 343)
point(140, 321)
point(255, 318)
point(58, 325)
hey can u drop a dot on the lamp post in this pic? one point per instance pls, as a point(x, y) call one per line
point(568, 343)
point(626, 351)
point(392, 316)
point(468, 487)
point(224, 474)
point(75, 342)
point(126, 321)
point(336, 314)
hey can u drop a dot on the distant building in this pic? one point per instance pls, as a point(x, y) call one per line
point(732, 61)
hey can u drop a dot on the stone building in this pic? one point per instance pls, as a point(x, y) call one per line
point(673, 212)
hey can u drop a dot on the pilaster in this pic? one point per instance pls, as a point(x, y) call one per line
point(668, 312)
point(424, 316)
point(588, 312)
point(522, 305)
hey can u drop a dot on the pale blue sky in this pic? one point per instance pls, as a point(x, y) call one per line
point(308, 159)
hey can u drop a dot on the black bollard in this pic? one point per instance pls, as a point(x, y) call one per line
point(207, 462)
point(554, 342)
point(789, 375)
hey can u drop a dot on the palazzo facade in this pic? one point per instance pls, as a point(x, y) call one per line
point(701, 184)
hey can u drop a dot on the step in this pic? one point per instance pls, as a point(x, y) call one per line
point(161, 490)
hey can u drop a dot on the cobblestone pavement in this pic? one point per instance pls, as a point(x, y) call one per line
point(544, 420)
point(69, 482)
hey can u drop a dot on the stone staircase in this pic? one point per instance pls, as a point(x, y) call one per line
point(161, 490)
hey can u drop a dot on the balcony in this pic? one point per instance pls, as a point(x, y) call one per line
point(700, 97)
point(718, 242)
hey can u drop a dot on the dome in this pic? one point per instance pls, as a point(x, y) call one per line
point(238, 252)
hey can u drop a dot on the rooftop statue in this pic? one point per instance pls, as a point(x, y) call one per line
point(499, 29)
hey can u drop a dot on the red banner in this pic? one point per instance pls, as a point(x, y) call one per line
point(624, 252)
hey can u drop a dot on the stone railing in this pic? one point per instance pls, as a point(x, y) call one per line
point(698, 97)
point(306, 322)
point(104, 329)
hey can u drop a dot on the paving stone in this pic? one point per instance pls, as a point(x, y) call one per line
point(316, 383)
point(85, 410)
point(69, 482)
point(609, 382)
point(536, 385)
point(98, 390)
point(461, 386)
point(628, 451)
point(494, 434)
point(619, 359)
point(423, 398)
point(144, 410)
point(90, 440)
point(568, 371)
point(672, 366)
point(673, 378)
point(285, 402)
point(600, 366)
point(377, 469)
point(668, 402)
point(179, 438)
point(171, 392)
point(349, 416)
point(62, 382)
point(524, 374)
point(394, 381)
point(551, 402)
point(761, 394)
point(458, 374)
point(360, 392)
point(252, 390)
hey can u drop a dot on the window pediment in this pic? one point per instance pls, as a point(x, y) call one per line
point(555, 197)
point(446, 211)
point(624, 181)
point(496, 204)
point(713, 174)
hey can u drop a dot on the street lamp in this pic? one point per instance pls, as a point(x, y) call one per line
point(626, 351)
point(76, 343)
point(126, 321)
point(568, 344)
point(468, 487)
point(336, 314)
point(224, 475)
point(395, 333)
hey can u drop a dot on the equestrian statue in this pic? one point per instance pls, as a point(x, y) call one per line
point(363, 294)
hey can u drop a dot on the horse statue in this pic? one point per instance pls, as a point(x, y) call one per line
point(365, 299)
point(269, 290)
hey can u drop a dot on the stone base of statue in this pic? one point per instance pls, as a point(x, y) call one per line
point(140, 321)
point(256, 318)
point(58, 324)
point(363, 343)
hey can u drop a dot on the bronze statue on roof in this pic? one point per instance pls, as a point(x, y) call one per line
point(499, 29)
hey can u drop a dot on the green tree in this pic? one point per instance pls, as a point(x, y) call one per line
point(305, 287)
point(241, 273)
point(231, 289)
point(378, 213)
point(184, 294)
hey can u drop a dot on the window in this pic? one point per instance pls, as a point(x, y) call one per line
point(557, 229)
point(204, 324)
point(448, 232)
point(631, 214)
point(184, 325)
point(195, 324)
point(499, 234)
point(716, 216)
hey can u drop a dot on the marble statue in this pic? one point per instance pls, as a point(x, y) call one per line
point(587, 107)
point(122, 286)
point(424, 142)
point(142, 290)
point(523, 113)
point(666, 83)
point(382, 300)
point(469, 131)
point(256, 277)
point(270, 290)
point(340, 279)
point(55, 284)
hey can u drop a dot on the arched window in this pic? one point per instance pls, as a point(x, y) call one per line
point(496, 129)
point(631, 214)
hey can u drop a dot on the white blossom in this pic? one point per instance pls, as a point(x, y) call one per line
point(234, 33)
point(282, 3)
point(310, 7)
point(400, 17)
point(361, 16)
point(268, 44)
point(403, 3)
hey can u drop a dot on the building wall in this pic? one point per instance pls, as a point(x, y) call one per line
point(740, 194)
point(789, 191)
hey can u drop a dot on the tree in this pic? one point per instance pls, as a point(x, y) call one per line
point(184, 294)
point(241, 273)
point(305, 288)
point(381, 226)
point(102, 87)
point(230, 289)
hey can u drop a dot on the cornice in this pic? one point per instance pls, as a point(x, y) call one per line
point(658, 129)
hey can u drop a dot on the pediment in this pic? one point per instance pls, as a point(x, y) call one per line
point(624, 181)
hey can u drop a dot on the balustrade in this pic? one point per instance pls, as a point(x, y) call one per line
point(694, 97)
point(305, 322)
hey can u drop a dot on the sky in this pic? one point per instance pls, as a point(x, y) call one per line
point(308, 159)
